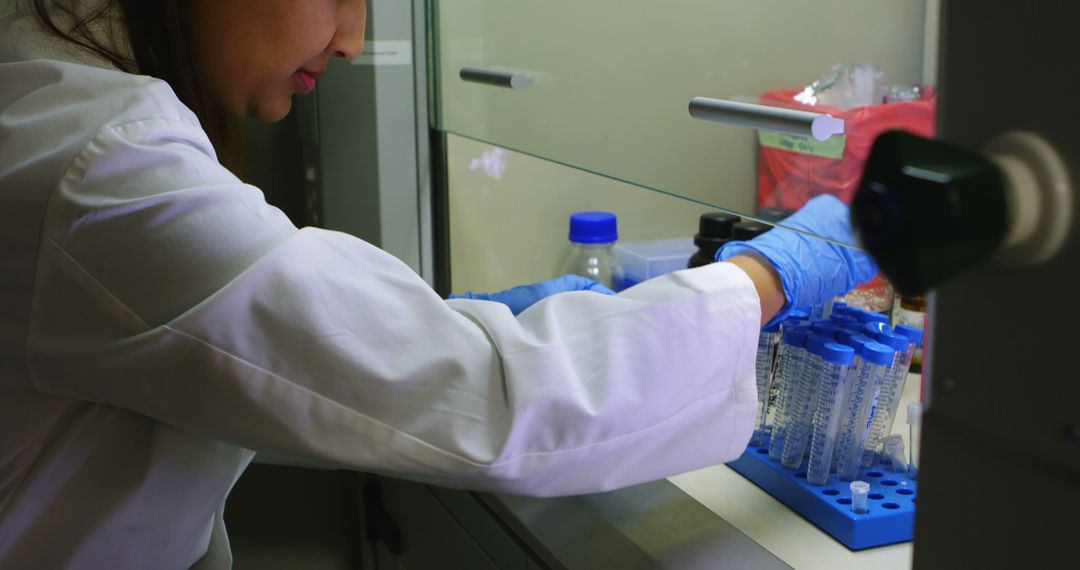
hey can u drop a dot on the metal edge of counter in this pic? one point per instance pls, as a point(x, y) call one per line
point(653, 525)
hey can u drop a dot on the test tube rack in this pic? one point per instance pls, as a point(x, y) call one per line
point(892, 499)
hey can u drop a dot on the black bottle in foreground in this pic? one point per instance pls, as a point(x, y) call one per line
point(714, 230)
point(748, 230)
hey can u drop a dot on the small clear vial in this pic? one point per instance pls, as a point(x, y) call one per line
point(592, 249)
point(860, 497)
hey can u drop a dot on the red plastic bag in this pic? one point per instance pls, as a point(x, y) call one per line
point(791, 170)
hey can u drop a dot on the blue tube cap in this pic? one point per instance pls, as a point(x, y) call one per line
point(864, 316)
point(803, 323)
point(826, 328)
point(877, 318)
point(799, 314)
point(872, 330)
point(913, 334)
point(843, 310)
point(877, 353)
point(897, 342)
point(858, 341)
point(593, 227)
point(844, 336)
point(845, 322)
point(837, 353)
point(815, 342)
point(795, 336)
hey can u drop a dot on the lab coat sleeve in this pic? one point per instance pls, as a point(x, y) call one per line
point(167, 287)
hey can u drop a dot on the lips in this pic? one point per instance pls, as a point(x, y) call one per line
point(305, 81)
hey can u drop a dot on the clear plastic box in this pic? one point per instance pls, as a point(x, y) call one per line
point(643, 260)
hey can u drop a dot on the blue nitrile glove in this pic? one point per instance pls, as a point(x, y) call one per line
point(523, 296)
point(811, 270)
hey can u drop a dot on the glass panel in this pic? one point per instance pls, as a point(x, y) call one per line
point(509, 215)
point(605, 85)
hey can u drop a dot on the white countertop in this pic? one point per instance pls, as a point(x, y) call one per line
point(783, 532)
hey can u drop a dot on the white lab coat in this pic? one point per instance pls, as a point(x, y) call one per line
point(159, 322)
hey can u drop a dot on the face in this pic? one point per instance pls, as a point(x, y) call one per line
point(253, 55)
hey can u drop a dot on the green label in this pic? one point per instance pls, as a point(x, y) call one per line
point(831, 148)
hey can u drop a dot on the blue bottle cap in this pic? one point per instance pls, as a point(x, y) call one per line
point(838, 304)
point(855, 313)
point(913, 334)
point(844, 336)
point(771, 328)
point(877, 353)
point(842, 310)
point(845, 322)
point(898, 342)
point(872, 330)
point(593, 227)
point(795, 336)
point(799, 314)
point(838, 353)
point(864, 316)
point(877, 317)
point(815, 342)
point(792, 322)
point(858, 341)
point(825, 328)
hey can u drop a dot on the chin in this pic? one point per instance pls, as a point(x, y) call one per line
point(273, 112)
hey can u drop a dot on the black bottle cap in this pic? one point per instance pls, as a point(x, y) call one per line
point(773, 215)
point(748, 230)
point(715, 229)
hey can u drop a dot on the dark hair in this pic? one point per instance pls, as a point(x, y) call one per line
point(157, 33)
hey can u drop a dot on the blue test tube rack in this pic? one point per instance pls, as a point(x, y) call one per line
point(892, 499)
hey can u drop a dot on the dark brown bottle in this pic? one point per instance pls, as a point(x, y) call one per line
point(911, 311)
point(714, 230)
point(748, 230)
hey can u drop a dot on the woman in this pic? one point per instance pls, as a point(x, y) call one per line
point(160, 322)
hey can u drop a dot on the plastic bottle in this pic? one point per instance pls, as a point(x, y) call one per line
point(832, 391)
point(764, 368)
point(592, 254)
point(714, 230)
